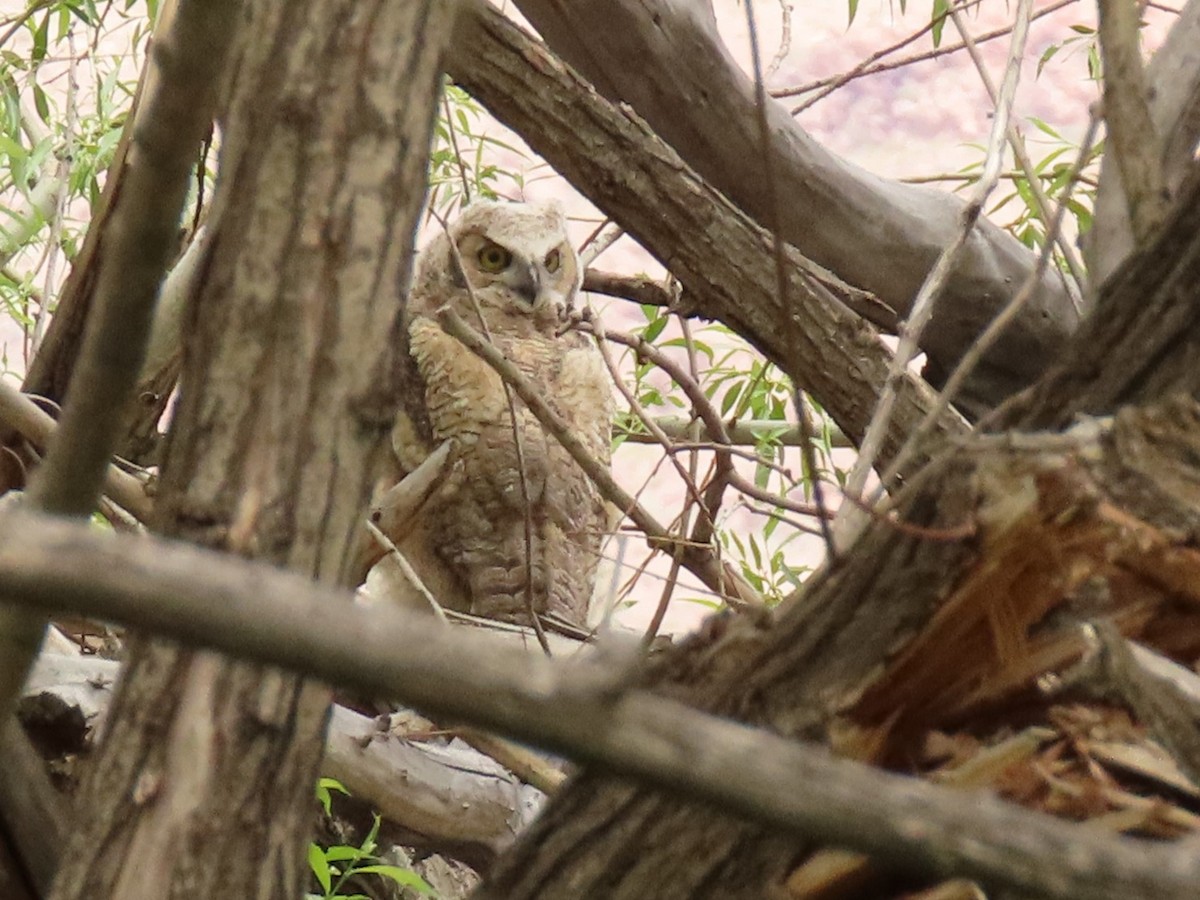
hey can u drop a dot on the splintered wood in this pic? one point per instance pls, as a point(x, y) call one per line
point(1102, 529)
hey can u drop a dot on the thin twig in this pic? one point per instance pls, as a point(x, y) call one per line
point(991, 334)
point(599, 241)
point(599, 335)
point(63, 174)
point(872, 66)
point(518, 446)
point(781, 280)
point(1041, 201)
point(462, 168)
point(744, 432)
point(850, 518)
point(700, 561)
point(785, 38)
point(410, 574)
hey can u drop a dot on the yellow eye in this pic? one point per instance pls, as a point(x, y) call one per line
point(553, 261)
point(494, 258)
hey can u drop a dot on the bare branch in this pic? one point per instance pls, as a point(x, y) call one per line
point(1032, 177)
point(1135, 144)
point(34, 424)
point(851, 518)
point(745, 432)
point(877, 234)
point(188, 52)
point(646, 188)
point(1173, 79)
point(584, 710)
point(700, 561)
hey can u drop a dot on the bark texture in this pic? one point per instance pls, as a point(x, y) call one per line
point(910, 632)
point(666, 60)
point(204, 782)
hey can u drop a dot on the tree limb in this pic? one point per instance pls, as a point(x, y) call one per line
point(1173, 80)
point(878, 234)
point(1134, 142)
point(723, 260)
point(188, 52)
point(584, 710)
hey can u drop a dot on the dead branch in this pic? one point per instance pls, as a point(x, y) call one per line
point(282, 619)
point(1135, 145)
point(34, 424)
point(1173, 79)
point(723, 261)
point(140, 236)
point(879, 235)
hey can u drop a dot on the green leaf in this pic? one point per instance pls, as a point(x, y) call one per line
point(403, 877)
point(853, 12)
point(40, 40)
point(654, 329)
point(320, 867)
point(941, 12)
point(343, 852)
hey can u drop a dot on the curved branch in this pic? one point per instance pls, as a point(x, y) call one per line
point(878, 234)
point(1173, 79)
point(724, 262)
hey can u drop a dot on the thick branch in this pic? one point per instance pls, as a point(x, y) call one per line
point(1142, 341)
point(1135, 145)
point(1173, 79)
point(723, 260)
point(880, 235)
point(279, 618)
point(188, 52)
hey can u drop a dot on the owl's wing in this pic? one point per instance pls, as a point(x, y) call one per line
point(481, 518)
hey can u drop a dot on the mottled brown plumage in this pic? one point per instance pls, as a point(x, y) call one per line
point(516, 269)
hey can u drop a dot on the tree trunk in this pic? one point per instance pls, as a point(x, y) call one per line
point(943, 619)
point(204, 783)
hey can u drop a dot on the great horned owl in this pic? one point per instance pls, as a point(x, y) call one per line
point(515, 267)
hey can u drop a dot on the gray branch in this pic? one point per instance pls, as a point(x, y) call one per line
point(1173, 77)
point(582, 709)
point(187, 56)
point(666, 59)
point(724, 262)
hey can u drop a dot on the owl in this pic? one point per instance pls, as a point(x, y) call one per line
point(513, 278)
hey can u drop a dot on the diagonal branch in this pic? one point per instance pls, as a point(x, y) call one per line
point(584, 710)
point(878, 234)
point(700, 561)
point(141, 234)
point(1135, 145)
point(723, 260)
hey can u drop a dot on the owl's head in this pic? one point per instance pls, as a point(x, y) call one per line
point(515, 256)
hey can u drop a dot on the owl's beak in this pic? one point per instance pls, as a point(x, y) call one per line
point(527, 283)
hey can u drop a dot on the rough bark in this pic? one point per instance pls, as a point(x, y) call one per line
point(205, 778)
point(724, 261)
point(909, 632)
point(666, 59)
